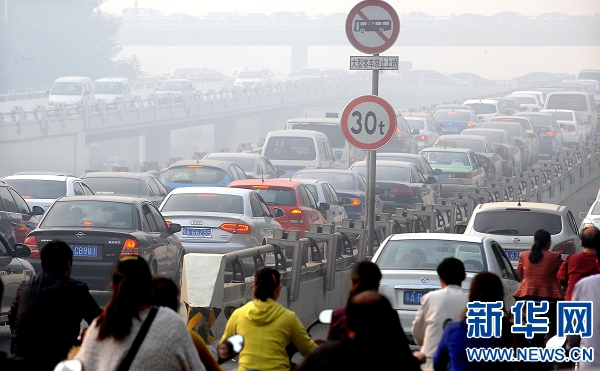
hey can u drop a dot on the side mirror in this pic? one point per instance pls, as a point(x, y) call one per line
point(37, 210)
point(280, 172)
point(460, 229)
point(325, 316)
point(174, 227)
point(431, 180)
point(415, 131)
point(437, 171)
point(278, 212)
point(531, 135)
point(230, 348)
point(71, 365)
point(323, 206)
point(346, 201)
point(21, 251)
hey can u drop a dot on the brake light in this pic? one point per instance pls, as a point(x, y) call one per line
point(548, 133)
point(31, 242)
point(462, 175)
point(205, 195)
point(236, 228)
point(469, 124)
point(296, 216)
point(401, 191)
point(352, 160)
point(195, 166)
point(398, 130)
point(421, 138)
point(355, 201)
point(168, 189)
point(88, 223)
point(260, 187)
point(567, 247)
point(168, 223)
point(502, 150)
point(130, 247)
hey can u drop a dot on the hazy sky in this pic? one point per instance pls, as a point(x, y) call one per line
point(315, 7)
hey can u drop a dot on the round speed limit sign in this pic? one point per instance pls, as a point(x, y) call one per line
point(368, 122)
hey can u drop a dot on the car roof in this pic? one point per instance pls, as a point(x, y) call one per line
point(415, 114)
point(524, 205)
point(319, 120)
point(525, 114)
point(390, 163)
point(310, 181)
point(495, 119)
point(440, 149)
point(58, 178)
point(549, 110)
point(113, 79)
point(496, 123)
point(187, 80)
point(460, 136)
point(438, 236)
point(267, 182)
point(73, 79)
point(487, 129)
point(407, 155)
point(114, 174)
point(486, 101)
point(44, 173)
point(106, 198)
point(296, 133)
point(566, 92)
point(333, 171)
point(233, 155)
point(216, 190)
point(216, 163)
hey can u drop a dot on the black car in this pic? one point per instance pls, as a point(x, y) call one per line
point(419, 161)
point(13, 270)
point(548, 130)
point(505, 146)
point(347, 183)
point(127, 184)
point(23, 218)
point(399, 184)
point(520, 136)
point(102, 229)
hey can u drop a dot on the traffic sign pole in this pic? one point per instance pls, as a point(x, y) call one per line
point(371, 176)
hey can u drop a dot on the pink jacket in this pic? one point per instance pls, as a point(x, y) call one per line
point(539, 279)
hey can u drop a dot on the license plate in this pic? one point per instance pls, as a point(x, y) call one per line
point(413, 297)
point(85, 250)
point(450, 129)
point(196, 232)
point(512, 254)
point(443, 176)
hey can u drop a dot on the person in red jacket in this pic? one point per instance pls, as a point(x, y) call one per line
point(580, 265)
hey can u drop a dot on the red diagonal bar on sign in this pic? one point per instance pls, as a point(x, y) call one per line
point(364, 17)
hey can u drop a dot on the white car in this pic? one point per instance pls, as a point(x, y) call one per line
point(540, 94)
point(513, 225)
point(573, 129)
point(258, 77)
point(408, 265)
point(42, 189)
point(592, 217)
point(485, 108)
point(175, 86)
point(530, 101)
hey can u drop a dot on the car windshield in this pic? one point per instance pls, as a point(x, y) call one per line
point(474, 145)
point(574, 102)
point(108, 88)
point(447, 158)
point(512, 129)
point(453, 116)
point(333, 132)
point(204, 202)
point(493, 136)
point(66, 88)
point(195, 174)
point(337, 180)
point(176, 86)
point(90, 214)
point(415, 123)
point(115, 186)
point(525, 100)
point(509, 103)
point(386, 173)
point(483, 108)
point(246, 163)
point(278, 196)
point(588, 75)
point(540, 120)
point(516, 222)
point(562, 116)
point(39, 189)
point(291, 148)
point(427, 254)
point(250, 75)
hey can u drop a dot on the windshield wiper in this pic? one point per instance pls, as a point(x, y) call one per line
point(503, 231)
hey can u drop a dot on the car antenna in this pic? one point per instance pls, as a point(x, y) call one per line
point(519, 204)
point(262, 175)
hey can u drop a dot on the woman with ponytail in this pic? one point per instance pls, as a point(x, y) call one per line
point(167, 344)
point(267, 326)
point(537, 270)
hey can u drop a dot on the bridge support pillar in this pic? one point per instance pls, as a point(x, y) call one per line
point(299, 56)
point(158, 146)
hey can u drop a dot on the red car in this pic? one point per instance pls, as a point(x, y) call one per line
point(294, 198)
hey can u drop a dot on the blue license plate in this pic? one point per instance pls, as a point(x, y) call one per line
point(449, 128)
point(85, 250)
point(443, 176)
point(413, 297)
point(513, 254)
point(196, 232)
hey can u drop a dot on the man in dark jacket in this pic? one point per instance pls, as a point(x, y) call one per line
point(8, 363)
point(46, 315)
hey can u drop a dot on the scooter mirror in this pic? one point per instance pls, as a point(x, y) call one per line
point(325, 316)
point(556, 342)
point(72, 365)
point(230, 348)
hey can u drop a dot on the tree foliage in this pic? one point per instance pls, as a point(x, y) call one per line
point(41, 40)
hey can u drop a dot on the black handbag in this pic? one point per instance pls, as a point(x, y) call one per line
point(126, 362)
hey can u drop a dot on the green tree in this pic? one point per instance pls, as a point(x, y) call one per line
point(41, 40)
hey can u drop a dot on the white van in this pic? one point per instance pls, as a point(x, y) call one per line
point(71, 90)
point(294, 150)
point(111, 88)
point(344, 153)
point(580, 102)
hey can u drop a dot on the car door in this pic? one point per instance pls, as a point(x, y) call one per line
point(11, 274)
point(260, 223)
point(507, 273)
point(332, 212)
point(20, 225)
point(158, 242)
point(340, 212)
point(495, 158)
point(173, 244)
point(314, 215)
point(271, 223)
point(153, 192)
point(478, 172)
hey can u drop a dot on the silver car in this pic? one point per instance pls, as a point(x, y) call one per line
point(408, 264)
point(219, 220)
point(323, 192)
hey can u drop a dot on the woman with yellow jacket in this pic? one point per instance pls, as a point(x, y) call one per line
point(267, 327)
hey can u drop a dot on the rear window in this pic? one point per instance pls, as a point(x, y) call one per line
point(338, 181)
point(525, 100)
point(524, 122)
point(194, 174)
point(447, 158)
point(562, 116)
point(516, 223)
point(574, 102)
point(278, 197)
point(417, 124)
point(291, 148)
point(39, 189)
point(205, 202)
point(427, 254)
point(387, 173)
point(512, 129)
point(114, 186)
point(482, 108)
point(247, 164)
point(588, 75)
point(474, 145)
point(540, 120)
point(398, 157)
point(452, 116)
point(493, 136)
point(333, 132)
point(90, 214)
